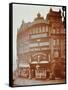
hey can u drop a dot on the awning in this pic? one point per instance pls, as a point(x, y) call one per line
point(34, 62)
point(24, 65)
point(44, 61)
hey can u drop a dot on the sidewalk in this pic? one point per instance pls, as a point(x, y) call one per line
point(21, 81)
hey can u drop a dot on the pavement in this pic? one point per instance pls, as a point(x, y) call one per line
point(23, 82)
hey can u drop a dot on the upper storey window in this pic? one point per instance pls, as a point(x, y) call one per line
point(39, 36)
point(46, 28)
point(33, 31)
point(40, 29)
point(57, 31)
point(43, 29)
point(53, 31)
point(56, 54)
point(36, 30)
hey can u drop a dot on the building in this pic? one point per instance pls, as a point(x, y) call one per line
point(39, 44)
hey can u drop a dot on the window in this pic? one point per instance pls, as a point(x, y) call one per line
point(53, 31)
point(33, 31)
point(57, 31)
point(30, 32)
point(40, 30)
point(43, 29)
point(44, 43)
point(36, 30)
point(56, 54)
point(46, 28)
point(33, 44)
point(57, 41)
point(39, 44)
point(54, 42)
point(39, 35)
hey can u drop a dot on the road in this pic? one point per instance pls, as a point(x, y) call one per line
point(21, 81)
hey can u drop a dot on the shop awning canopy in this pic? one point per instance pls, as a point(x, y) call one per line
point(35, 62)
point(24, 65)
point(44, 61)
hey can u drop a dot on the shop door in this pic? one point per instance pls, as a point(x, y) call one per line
point(33, 73)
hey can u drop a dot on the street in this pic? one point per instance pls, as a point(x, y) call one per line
point(22, 82)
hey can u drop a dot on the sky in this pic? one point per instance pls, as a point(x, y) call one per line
point(27, 13)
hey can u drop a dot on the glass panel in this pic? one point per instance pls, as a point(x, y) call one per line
point(39, 36)
point(56, 54)
point(33, 31)
point(46, 28)
point(57, 30)
point(44, 43)
point(43, 29)
point(39, 44)
point(54, 42)
point(57, 41)
point(36, 30)
point(53, 31)
point(40, 30)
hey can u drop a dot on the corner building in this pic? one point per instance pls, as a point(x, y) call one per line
point(39, 44)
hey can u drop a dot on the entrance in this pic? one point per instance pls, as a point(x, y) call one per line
point(33, 73)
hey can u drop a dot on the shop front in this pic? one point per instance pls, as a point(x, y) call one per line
point(39, 70)
point(24, 71)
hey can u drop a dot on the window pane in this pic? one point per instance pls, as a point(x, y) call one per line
point(43, 29)
point(54, 42)
point(40, 30)
point(46, 28)
point(36, 31)
point(39, 35)
point(39, 44)
point(56, 54)
point(53, 31)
